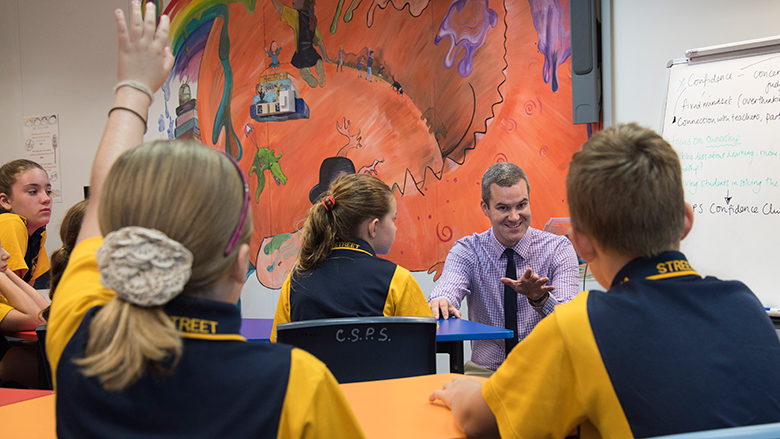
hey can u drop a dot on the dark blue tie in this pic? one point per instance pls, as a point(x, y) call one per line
point(510, 301)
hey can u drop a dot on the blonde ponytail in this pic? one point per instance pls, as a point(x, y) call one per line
point(125, 339)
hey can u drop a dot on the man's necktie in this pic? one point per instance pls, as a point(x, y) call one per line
point(510, 301)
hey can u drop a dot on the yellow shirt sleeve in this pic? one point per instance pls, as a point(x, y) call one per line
point(282, 314)
point(314, 406)
point(5, 308)
point(13, 238)
point(555, 380)
point(405, 297)
point(79, 291)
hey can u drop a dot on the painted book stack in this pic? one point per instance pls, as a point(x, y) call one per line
point(277, 99)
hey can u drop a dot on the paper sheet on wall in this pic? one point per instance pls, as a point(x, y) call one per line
point(42, 145)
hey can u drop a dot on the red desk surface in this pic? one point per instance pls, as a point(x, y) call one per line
point(11, 396)
point(27, 335)
point(399, 408)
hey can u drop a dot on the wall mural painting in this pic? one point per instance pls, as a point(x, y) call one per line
point(423, 94)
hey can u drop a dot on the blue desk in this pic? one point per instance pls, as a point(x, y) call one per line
point(449, 337)
point(453, 332)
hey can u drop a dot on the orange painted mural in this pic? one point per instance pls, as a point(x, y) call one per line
point(424, 94)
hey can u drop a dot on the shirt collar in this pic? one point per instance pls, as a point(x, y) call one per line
point(522, 248)
point(357, 245)
point(663, 266)
point(202, 318)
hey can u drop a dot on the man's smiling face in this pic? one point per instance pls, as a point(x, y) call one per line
point(509, 211)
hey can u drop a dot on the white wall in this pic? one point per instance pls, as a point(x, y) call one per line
point(58, 57)
point(645, 35)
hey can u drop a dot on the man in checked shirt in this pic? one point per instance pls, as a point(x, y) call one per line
point(476, 268)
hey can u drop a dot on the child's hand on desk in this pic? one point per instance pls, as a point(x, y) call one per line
point(458, 388)
point(463, 396)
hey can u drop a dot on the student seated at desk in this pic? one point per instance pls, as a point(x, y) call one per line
point(337, 273)
point(664, 351)
point(20, 308)
point(25, 210)
point(143, 338)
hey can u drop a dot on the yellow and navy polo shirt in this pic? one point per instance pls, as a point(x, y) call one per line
point(222, 386)
point(353, 282)
point(664, 351)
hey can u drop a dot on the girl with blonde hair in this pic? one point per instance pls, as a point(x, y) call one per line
point(144, 335)
point(338, 273)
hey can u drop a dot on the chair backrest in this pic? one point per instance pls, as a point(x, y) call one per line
point(367, 348)
point(763, 431)
point(44, 371)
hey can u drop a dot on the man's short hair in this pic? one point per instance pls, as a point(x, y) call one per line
point(625, 191)
point(504, 174)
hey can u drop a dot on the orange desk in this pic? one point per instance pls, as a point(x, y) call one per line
point(399, 408)
point(385, 409)
point(30, 419)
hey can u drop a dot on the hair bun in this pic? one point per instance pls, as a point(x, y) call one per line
point(144, 266)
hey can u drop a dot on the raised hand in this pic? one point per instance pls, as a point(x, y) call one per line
point(143, 55)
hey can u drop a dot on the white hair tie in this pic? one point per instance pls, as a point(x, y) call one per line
point(144, 266)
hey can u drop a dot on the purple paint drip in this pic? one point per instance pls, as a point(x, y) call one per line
point(465, 39)
point(552, 28)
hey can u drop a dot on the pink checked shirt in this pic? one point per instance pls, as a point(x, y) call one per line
point(473, 269)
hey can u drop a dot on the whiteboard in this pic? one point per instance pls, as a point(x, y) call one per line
point(723, 118)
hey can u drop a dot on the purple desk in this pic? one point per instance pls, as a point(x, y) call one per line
point(257, 329)
point(449, 337)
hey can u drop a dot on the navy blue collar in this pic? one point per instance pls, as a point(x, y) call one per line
point(358, 245)
point(202, 318)
point(663, 266)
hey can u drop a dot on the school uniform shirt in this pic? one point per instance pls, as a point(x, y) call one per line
point(474, 268)
point(222, 386)
point(14, 239)
point(5, 307)
point(352, 282)
point(664, 351)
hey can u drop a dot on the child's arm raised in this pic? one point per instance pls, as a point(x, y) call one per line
point(144, 61)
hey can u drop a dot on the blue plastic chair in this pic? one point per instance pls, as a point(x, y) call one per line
point(763, 431)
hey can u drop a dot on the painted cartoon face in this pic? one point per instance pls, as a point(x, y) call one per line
point(30, 197)
point(509, 212)
point(298, 4)
point(4, 256)
point(385, 230)
point(273, 46)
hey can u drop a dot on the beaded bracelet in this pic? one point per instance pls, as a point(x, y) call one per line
point(136, 85)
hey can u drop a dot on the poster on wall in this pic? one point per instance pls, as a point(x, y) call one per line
point(42, 145)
